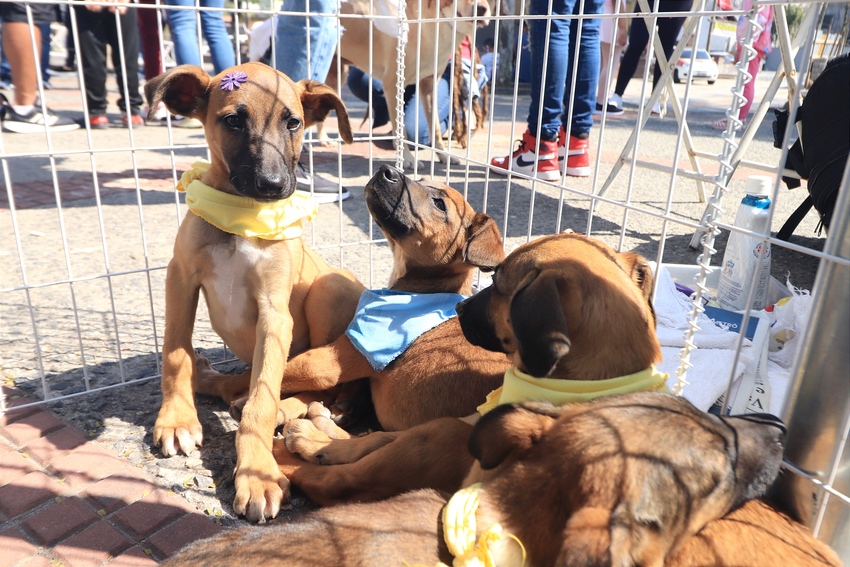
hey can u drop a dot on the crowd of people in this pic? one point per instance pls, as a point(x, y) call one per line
point(570, 59)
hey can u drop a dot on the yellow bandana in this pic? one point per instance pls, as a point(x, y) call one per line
point(520, 387)
point(460, 530)
point(280, 220)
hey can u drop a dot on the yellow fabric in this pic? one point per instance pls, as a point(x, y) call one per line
point(520, 387)
point(280, 220)
point(460, 530)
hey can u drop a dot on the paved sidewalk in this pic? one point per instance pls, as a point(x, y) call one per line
point(65, 501)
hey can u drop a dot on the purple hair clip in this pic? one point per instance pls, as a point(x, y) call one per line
point(233, 80)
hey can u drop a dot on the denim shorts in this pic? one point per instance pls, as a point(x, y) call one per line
point(17, 12)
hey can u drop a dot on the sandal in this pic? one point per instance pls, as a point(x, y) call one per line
point(720, 124)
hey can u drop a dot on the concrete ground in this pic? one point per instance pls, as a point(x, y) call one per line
point(85, 244)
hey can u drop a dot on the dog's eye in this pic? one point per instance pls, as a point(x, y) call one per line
point(293, 124)
point(233, 120)
point(440, 204)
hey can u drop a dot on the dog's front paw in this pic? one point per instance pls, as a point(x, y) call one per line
point(177, 428)
point(448, 158)
point(260, 489)
point(301, 437)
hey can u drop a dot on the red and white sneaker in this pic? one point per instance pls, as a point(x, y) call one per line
point(542, 166)
point(576, 154)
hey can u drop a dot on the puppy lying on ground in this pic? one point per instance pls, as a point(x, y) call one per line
point(623, 480)
point(437, 241)
point(268, 294)
point(572, 315)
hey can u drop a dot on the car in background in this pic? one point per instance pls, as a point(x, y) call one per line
point(704, 67)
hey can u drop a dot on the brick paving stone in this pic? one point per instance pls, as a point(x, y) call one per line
point(61, 519)
point(39, 561)
point(5, 446)
point(134, 557)
point(89, 463)
point(14, 547)
point(191, 527)
point(124, 486)
point(32, 427)
point(13, 466)
point(151, 513)
point(55, 445)
point(27, 492)
point(93, 545)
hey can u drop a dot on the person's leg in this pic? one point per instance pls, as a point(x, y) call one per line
point(586, 70)
point(358, 83)
point(92, 28)
point(749, 88)
point(638, 37)
point(149, 36)
point(551, 95)
point(44, 28)
point(17, 45)
point(305, 45)
point(602, 87)
point(668, 31)
point(215, 32)
point(130, 72)
point(184, 33)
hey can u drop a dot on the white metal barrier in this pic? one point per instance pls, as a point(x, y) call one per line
point(87, 218)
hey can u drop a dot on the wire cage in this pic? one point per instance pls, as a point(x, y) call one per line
point(88, 216)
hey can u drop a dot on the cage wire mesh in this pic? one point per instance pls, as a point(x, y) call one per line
point(88, 217)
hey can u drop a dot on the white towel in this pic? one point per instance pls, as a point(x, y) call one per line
point(715, 353)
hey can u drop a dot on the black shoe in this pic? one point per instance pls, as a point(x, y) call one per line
point(320, 189)
point(34, 121)
point(612, 110)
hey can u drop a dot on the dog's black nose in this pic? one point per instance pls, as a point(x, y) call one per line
point(460, 306)
point(482, 10)
point(390, 173)
point(270, 185)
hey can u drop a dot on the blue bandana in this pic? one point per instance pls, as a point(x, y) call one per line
point(387, 321)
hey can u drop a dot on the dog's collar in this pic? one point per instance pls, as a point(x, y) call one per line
point(387, 321)
point(280, 220)
point(460, 531)
point(520, 387)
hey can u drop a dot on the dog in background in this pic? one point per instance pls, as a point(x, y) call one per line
point(469, 112)
point(429, 48)
point(622, 480)
point(268, 294)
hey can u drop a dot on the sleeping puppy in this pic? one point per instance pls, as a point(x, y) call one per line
point(623, 480)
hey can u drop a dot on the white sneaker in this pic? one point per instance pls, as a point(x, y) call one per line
point(616, 101)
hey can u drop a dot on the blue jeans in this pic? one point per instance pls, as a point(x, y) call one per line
point(294, 55)
point(556, 96)
point(184, 33)
point(358, 82)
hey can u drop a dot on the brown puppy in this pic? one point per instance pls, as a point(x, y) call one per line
point(267, 298)
point(437, 241)
point(564, 307)
point(623, 480)
point(429, 49)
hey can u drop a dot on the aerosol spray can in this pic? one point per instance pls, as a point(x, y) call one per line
point(742, 268)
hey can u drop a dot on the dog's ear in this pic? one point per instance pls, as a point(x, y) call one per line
point(318, 99)
point(184, 90)
point(483, 248)
point(509, 429)
point(641, 274)
point(539, 324)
